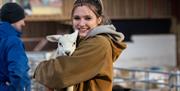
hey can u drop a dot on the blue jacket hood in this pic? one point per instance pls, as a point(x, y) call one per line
point(6, 29)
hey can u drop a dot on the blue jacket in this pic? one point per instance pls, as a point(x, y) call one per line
point(13, 60)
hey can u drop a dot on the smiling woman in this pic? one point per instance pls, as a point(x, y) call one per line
point(90, 68)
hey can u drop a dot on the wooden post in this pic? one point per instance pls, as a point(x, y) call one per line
point(178, 45)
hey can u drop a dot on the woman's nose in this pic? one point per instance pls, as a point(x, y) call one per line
point(82, 22)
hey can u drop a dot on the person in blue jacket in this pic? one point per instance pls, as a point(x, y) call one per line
point(13, 59)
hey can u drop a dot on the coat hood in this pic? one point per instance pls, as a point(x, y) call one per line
point(116, 38)
point(109, 30)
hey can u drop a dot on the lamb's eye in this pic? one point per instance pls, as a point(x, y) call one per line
point(60, 44)
point(74, 43)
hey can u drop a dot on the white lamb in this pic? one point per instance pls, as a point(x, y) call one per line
point(66, 46)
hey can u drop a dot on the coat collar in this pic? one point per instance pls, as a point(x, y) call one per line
point(6, 29)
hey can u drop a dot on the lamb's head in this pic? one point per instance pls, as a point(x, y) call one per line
point(66, 43)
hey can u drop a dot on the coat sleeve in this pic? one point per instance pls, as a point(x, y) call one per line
point(85, 64)
point(17, 66)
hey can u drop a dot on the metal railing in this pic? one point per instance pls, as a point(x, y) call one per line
point(172, 82)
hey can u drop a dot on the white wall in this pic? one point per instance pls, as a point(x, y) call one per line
point(148, 51)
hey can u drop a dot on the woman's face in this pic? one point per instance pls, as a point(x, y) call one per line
point(84, 20)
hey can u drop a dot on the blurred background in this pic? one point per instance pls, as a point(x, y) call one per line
point(151, 61)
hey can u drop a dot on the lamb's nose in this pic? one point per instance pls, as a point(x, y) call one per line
point(67, 53)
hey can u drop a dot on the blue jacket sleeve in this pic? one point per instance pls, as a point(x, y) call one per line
point(17, 66)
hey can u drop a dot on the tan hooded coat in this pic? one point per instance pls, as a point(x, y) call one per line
point(90, 68)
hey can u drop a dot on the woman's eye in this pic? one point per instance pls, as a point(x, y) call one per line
point(88, 18)
point(76, 18)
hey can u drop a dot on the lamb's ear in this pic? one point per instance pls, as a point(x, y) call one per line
point(53, 38)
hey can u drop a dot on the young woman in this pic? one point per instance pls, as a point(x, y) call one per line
point(90, 68)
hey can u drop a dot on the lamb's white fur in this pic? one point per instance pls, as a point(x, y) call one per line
point(66, 46)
